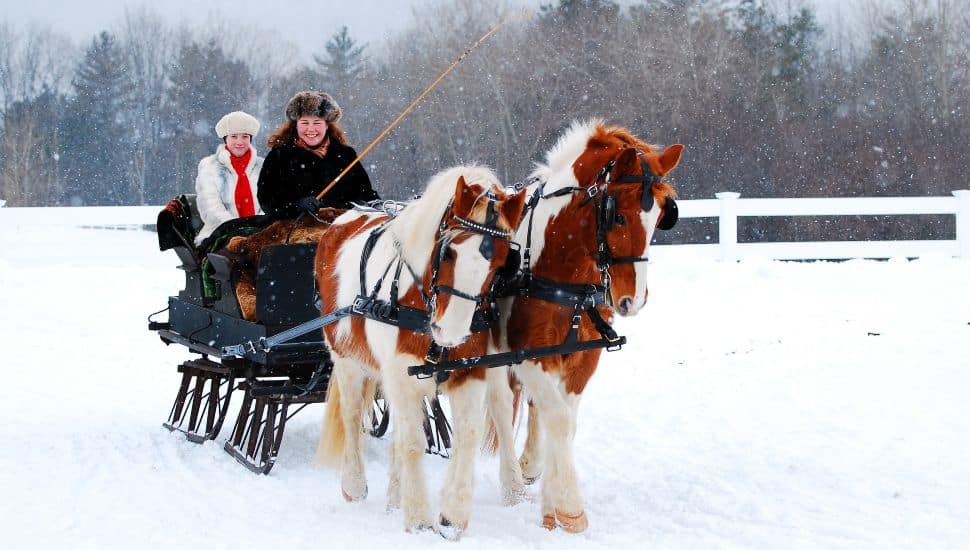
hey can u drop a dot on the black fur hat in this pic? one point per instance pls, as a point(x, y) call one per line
point(313, 103)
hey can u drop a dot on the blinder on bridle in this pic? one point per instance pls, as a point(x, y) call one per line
point(609, 217)
point(489, 232)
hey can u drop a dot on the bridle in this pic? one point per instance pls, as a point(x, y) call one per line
point(489, 232)
point(607, 217)
point(367, 303)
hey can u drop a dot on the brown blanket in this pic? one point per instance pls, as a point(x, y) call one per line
point(245, 251)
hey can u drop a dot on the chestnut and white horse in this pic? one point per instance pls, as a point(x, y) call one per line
point(450, 243)
point(600, 199)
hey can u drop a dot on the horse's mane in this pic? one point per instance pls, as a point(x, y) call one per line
point(557, 170)
point(415, 227)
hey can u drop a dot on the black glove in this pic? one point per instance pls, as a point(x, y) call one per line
point(310, 205)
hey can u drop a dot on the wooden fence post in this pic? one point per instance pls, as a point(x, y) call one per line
point(727, 225)
point(963, 222)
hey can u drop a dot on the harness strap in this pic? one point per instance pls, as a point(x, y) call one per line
point(601, 325)
point(415, 320)
point(530, 210)
point(394, 283)
point(514, 357)
point(265, 344)
point(455, 292)
point(365, 255)
point(531, 207)
point(567, 294)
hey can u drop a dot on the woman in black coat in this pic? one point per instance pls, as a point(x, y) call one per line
point(306, 153)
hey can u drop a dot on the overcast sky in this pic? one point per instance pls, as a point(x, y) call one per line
point(307, 23)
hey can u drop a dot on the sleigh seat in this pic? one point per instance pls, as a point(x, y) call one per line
point(177, 225)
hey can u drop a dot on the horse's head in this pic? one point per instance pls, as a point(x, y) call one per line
point(632, 202)
point(473, 243)
point(618, 199)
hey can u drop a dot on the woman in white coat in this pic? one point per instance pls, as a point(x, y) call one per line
point(226, 185)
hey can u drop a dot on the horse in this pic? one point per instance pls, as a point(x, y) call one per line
point(451, 241)
point(596, 202)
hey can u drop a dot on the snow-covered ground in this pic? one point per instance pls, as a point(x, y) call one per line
point(758, 405)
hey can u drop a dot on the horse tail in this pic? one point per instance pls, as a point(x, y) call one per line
point(332, 436)
point(490, 441)
point(370, 393)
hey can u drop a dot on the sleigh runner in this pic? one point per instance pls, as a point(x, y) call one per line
point(274, 384)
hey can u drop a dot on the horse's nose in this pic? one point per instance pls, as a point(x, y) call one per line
point(625, 305)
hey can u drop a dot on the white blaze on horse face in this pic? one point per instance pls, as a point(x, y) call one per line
point(471, 271)
point(649, 221)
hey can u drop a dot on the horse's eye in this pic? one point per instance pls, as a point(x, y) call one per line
point(449, 254)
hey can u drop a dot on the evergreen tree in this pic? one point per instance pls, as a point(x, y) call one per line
point(783, 54)
point(343, 64)
point(94, 128)
point(206, 85)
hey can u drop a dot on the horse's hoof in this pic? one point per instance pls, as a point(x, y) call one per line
point(419, 528)
point(531, 470)
point(549, 521)
point(572, 523)
point(349, 498)
point(514, 495)
point(450, 531)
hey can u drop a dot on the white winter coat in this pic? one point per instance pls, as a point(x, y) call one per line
point(215, 189)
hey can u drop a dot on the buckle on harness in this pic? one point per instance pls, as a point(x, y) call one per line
point(434, 355)
point(360, 305)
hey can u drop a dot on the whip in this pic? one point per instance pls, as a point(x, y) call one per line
point(414, 103)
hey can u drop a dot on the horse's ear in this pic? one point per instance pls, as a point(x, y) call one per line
point(626, 161)
point(464, 197)
point(670, 158)
point(512, 208)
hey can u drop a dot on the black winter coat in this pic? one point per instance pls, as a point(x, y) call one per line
point(291, 173)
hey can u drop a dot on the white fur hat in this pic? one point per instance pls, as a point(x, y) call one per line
point(237, 122)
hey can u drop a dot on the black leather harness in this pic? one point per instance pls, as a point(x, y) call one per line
point(583, 298)
point(516, 281)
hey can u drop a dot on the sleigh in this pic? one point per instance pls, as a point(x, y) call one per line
point(273, 385)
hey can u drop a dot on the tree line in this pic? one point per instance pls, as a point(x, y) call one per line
point(768, 102)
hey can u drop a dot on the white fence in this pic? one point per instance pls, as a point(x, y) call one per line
point(727, 207)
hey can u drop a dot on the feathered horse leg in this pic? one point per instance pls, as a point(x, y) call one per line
point(501, 410)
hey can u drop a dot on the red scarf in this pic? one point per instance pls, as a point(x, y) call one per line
point(244, 195)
